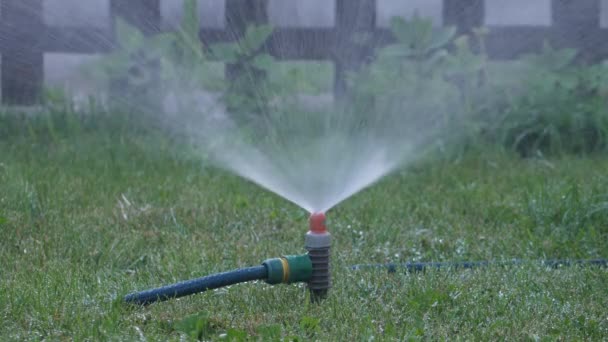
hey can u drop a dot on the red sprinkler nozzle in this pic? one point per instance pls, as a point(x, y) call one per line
point(317, 223)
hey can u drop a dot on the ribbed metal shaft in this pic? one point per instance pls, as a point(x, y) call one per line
point(320, 282)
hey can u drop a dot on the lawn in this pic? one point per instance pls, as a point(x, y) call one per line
point(88, 215)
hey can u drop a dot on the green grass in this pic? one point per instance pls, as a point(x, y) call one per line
point(89, 214)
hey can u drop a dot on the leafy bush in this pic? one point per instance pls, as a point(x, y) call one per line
point(406, 79)
point(448, 93)
point(541, 103)
point(563, 109)
point(428, 81)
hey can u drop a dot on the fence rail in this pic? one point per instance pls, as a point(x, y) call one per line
point(24, 37)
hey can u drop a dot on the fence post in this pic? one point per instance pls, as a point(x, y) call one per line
point(240, 14)
point(22, 55)
point(355, 22)
point(465, 15)
point(145, 15)
point(576, 24)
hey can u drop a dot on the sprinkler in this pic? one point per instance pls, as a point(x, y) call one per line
point(311, 268)
point(317, 243)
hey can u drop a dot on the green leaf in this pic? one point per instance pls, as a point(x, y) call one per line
point(400, 29)
point(128, 36)
point(226, 52)
point(418, 30)
point(188, 40)
point(162, 45)
point(551, 59)
point(255, 36)
point(436, 57)
point(263, 62)
point(418, 34)
point(112, 65)
point(421, 29)
point(462, 43)
point(3, 220)
point(442, 37)
point(395, 51)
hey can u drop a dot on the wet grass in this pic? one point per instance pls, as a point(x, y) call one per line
point(90, 215)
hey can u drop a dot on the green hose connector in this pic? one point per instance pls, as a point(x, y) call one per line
point(288, 269)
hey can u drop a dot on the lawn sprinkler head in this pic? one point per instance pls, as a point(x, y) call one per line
point(317, 243)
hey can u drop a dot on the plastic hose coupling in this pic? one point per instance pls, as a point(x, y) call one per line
point(318, 242)
point(288, 269)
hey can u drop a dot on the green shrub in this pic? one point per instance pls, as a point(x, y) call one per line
point(431, 85)
point(562, 111)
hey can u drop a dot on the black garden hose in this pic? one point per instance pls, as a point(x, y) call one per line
point(421, 266)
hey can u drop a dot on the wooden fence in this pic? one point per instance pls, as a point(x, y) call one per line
point(24, 37)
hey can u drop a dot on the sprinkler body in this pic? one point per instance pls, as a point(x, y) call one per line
point(318, 243)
